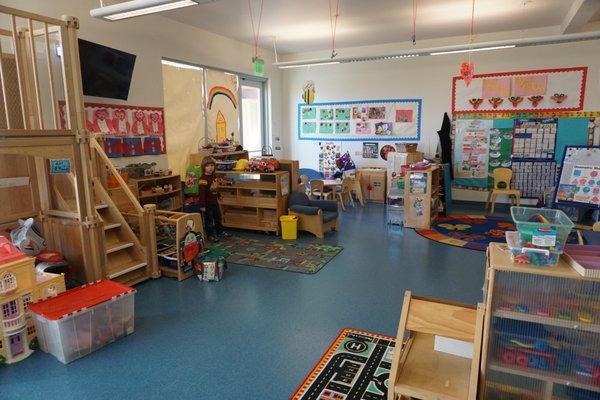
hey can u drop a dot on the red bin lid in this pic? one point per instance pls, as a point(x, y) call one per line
point(8, 251)
point(77, 299)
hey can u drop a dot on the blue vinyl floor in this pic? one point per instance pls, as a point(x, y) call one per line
point(258, 332)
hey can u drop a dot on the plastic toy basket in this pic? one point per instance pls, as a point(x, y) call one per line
point(543, 227)
point(81, 320)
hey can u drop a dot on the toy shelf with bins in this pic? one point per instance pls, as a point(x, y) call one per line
point(254, 200)
point(169, 200)
point(542, 334)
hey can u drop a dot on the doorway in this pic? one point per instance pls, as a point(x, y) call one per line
point(253, 115)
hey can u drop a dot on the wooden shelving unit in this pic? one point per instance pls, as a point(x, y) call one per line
point(254, 200)
point(542, 331)
point(421, 197)
point(137, 185)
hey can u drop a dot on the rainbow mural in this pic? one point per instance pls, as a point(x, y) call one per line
point(221, 91)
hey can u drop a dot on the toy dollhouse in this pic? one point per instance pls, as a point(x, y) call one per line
point(20, 285)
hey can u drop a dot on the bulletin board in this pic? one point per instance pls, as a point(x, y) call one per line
point(127, 130)
point(532, 144)
point(579, 182)
point(559, 89)
point(392, 119)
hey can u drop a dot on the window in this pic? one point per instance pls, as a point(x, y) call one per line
point(26, 301)
point(253, 114)
point(51, 290)
point(31, 330)
point(10, 310)
point(0, 344)
point(8, 282)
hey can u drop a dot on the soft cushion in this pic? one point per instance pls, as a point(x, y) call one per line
point(306, 210)
point(299, 198)
point(329, 216)
point(325, 205)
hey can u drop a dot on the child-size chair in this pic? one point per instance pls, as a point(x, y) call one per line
point(344, 196)
point(317, 190)
point(314, 216)
point(420, 371)
point(501, 186)
point(303, 185)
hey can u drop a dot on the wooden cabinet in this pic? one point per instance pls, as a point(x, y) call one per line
point(373, 182)
point(421, 197)
point(254, 200)
point(164, 191)
point(541, 331)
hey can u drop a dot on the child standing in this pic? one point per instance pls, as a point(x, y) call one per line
point(208, 194)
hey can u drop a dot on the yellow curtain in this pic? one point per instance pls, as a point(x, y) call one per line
point(184, 118)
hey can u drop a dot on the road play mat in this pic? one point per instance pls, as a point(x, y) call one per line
point(267, 252)
point(356, 366)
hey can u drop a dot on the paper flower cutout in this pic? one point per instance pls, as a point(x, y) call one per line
point(559, 97)
point(476, 103)
point(535, 100)
point(496, 101)
point(515, 100)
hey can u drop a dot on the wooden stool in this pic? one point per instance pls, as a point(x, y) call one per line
point(420, 371)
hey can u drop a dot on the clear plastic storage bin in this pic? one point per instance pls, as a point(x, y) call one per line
point(542, 227)
point(521, 254)
point(81, 320)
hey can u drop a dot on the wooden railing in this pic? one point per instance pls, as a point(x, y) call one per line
point(144, 217)
point(33, 104)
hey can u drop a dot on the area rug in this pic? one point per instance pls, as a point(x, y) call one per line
point(356, 366)
point(474, 232)
point(292, 256)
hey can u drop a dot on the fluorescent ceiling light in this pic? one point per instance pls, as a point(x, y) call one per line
point(180, 65)
point(309, 64)
point(135, 8)
point(438, 51)
point(441, 53)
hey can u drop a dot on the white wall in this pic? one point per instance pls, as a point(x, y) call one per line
point(152, 38)
point(427, 78)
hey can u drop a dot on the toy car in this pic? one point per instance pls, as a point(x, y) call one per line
point(263, 164)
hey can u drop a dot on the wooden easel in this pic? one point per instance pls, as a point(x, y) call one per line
point(421, 372)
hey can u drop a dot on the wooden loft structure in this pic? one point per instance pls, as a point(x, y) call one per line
point(42, 123)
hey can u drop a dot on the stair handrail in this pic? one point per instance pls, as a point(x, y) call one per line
point(111, 168)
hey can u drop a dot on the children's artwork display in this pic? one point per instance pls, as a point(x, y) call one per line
point(370, 149)
point(394, 119)
point(222, 105)
point(501, 144)
point(471, 149)
point(532, 144)
point(127, 130)
point(560, 89)
point(328, 153)
point(579, 182)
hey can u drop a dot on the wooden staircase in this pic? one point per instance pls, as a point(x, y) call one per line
point(126, 258)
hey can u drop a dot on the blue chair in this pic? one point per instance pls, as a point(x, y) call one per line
point(310, 173)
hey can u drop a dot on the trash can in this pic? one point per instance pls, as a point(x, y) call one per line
point(289, 227)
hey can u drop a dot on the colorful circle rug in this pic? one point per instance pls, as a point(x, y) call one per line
point(469, 231)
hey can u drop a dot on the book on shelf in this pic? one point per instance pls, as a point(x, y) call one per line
point(584, 259)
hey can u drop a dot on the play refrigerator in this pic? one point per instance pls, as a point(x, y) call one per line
point(81, 320)
point(541, 331)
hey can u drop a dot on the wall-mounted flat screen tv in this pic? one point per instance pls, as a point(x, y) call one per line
point(105, 72)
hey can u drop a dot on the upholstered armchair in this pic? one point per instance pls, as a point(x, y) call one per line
point(314, 216)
